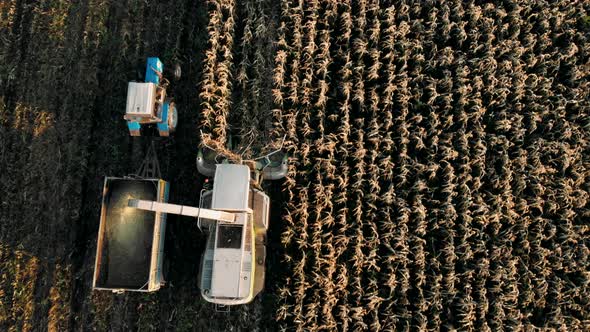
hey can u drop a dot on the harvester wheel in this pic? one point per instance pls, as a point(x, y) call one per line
point(206, 163)
point(276, 167)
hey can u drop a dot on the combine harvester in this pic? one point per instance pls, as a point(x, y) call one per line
point(234, 214)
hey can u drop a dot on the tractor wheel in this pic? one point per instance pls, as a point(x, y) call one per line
point(172, 117)
point(177, 71)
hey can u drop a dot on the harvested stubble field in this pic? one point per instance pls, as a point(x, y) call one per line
point(440, 159)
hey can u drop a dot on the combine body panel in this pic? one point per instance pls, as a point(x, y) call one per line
point(130, 248)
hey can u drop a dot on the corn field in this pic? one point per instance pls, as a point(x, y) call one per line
point(439, 159)
point(439, 174)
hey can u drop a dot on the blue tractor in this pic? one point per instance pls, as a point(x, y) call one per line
point(148, 104)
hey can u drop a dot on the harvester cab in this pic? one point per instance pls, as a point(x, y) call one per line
point(148, 104)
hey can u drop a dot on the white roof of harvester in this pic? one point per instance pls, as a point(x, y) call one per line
point(231, 187)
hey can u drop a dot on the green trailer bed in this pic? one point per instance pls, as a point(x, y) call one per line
point(125, 249)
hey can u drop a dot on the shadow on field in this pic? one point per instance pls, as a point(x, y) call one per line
point(35, 274)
